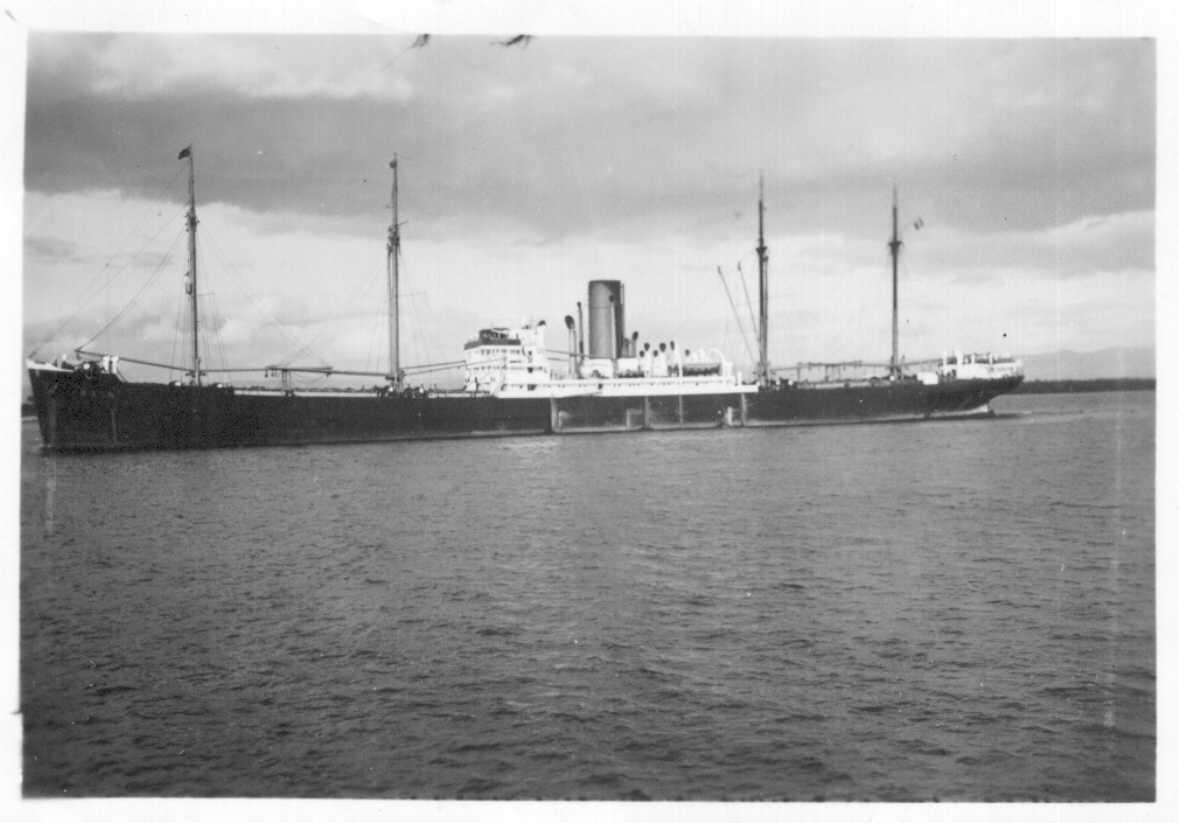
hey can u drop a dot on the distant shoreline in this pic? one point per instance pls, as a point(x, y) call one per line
point(1027, 387)
point(1100, 384)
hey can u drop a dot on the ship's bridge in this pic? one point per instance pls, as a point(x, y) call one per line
point(503, 355)
point(978, 366)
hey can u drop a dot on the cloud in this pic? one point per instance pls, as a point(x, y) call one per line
point(153, 66)
point(53, 248)
point(1114, 243)
point(576, 134)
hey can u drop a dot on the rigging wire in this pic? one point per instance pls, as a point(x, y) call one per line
point(90, 294)
point(374, 333)
point(204, 344)
point(306, 349)
point(419, 339)
point(216, 330)
point(176, 330)
point(377, 323)
point(131, 302)
point(434, 367)
point(241, 280)
point(748, 301)
point(33, 222)
point(736, 314)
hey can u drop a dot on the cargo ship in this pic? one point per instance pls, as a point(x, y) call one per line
point(604, 381)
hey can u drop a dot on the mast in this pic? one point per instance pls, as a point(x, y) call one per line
point(393, 248)
point(191, 285)
point(763, 296)
point(894, 249)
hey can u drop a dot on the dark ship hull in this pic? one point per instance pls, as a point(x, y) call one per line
point(81, 410)
point(865, 401)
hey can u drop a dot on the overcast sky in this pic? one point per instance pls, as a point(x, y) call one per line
point(530, 169)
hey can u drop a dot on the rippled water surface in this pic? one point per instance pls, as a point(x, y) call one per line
point(952, 610)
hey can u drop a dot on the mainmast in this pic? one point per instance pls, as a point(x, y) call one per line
point(894, 248)
point(394, 252)
point(763, 295)
point(191, 286)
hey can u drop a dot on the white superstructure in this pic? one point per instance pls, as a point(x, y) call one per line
point(972, 366)
point(506, 361)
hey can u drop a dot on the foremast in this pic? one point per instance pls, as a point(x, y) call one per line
point(393, 249)
point(894, 250)
point(763, 296)
point(190, 285)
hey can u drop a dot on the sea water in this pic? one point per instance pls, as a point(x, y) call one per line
point(940, 610)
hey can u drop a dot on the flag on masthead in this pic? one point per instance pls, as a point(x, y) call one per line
point(186, 152)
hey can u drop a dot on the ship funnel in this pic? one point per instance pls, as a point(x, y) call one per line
point(572, 327)
point(607, 319)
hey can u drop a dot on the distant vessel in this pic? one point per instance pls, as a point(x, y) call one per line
point(511, 386)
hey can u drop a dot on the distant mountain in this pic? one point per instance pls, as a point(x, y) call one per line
point(1104, 363)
